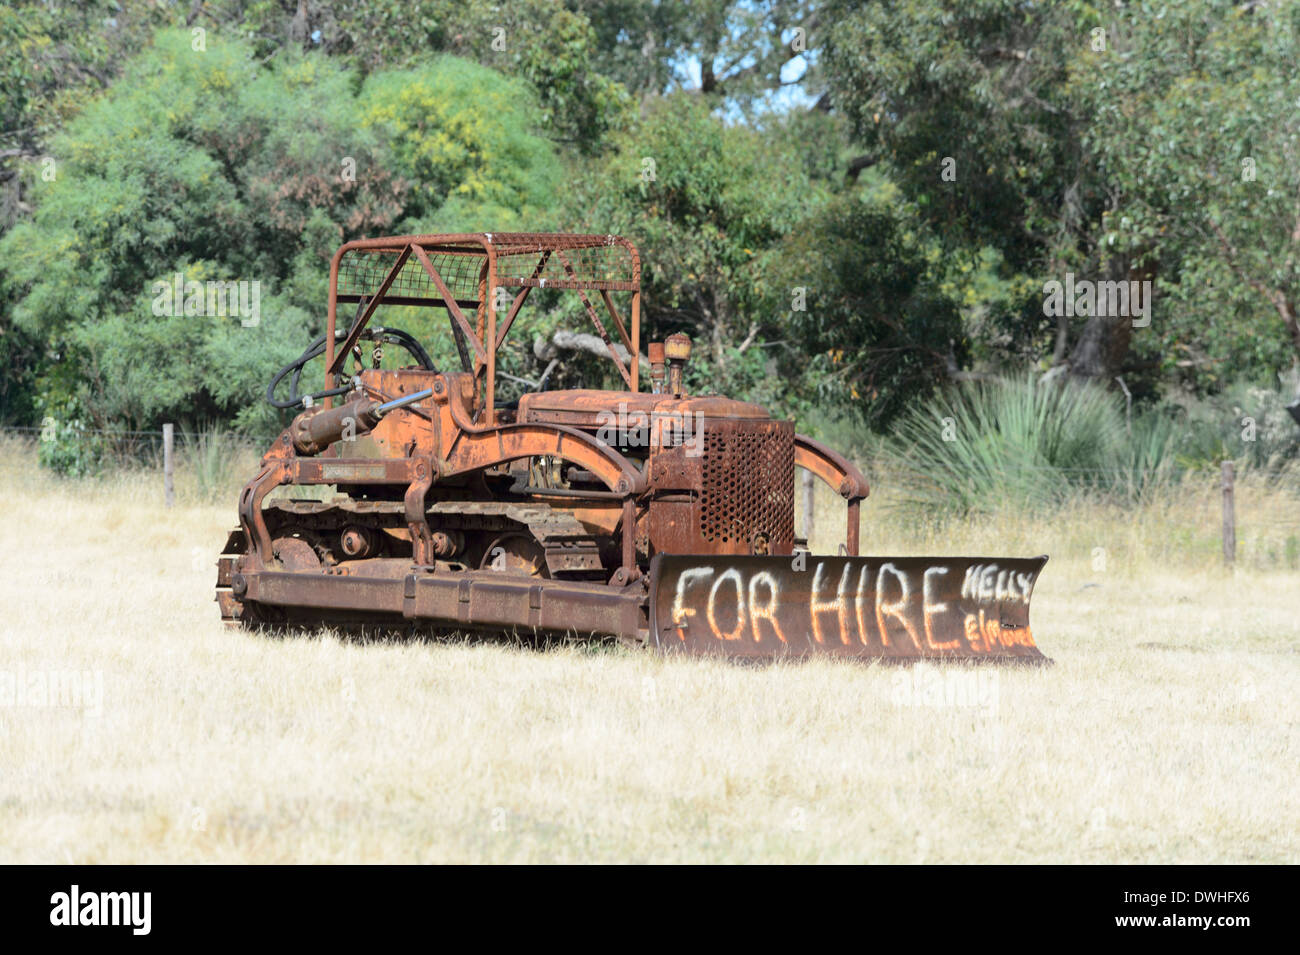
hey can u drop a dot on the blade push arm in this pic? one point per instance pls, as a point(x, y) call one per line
point(840, 473)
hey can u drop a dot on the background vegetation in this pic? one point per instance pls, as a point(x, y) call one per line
point(853, 208)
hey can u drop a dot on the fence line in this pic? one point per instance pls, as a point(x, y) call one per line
point(258, 442)
point(160, 435)
point(168, 432)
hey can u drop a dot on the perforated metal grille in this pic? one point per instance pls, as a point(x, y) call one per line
point(748, 484)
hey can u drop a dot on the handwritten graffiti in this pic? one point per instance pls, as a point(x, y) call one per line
point(901, 606)
point(987, 583)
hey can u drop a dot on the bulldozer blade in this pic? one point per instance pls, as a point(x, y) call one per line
point(885, 608)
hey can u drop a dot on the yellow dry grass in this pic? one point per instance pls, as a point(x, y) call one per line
point(1166, 731)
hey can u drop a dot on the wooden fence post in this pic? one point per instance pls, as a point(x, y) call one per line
point(169, 490)
point(1229, 516)
point(807, 487)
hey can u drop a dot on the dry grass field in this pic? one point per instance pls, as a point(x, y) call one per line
point(1166, 731)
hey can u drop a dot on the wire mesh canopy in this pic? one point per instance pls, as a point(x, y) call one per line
point(454, 272)
point(523, 259)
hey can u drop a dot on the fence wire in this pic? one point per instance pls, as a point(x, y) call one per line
point(226, 437)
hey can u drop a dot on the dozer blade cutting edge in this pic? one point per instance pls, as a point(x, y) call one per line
point(886, 608)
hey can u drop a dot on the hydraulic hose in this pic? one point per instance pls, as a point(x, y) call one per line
point(392, 336)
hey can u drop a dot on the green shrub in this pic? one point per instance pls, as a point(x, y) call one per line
point(67, 446)
point(1248, 421)
point(1031, 443)
point(211, 454)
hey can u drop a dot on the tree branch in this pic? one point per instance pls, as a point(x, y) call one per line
point(859, 163)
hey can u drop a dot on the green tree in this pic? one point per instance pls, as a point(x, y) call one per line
point(200, 163)
point(974, 110)
point(551, 46)
point(1195, 122)
point(869, 309)
point(463, 134)
point(707, 204)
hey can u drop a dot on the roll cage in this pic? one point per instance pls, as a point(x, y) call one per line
point(467, 272)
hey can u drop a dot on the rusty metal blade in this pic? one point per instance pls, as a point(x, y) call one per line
point(887, 608)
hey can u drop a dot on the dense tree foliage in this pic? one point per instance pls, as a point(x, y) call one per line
point(200, 163)
point(1200, 138)
point(1102, 141)
point(847, 205)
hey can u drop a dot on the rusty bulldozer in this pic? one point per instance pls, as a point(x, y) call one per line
point(658, 517)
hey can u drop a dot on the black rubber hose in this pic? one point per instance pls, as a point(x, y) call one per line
point(412, 345)
point(294, 367)
point(393, 336)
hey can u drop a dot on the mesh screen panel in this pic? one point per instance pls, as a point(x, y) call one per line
point(543, 260)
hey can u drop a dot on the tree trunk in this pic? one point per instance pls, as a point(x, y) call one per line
point(1103, 347)
point(1289, 319)
point(1062, 345)
point(298, 25)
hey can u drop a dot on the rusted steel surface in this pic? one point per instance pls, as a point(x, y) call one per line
point(662, 518)
point(465, 270)
point(747, 499)
point(315, 431)
point(892, 608)
point(471, 600)
point(583, 407)
point(524, 260)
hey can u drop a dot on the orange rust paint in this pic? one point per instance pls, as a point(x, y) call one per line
point(665, 518)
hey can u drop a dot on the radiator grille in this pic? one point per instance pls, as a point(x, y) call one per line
point(748, 485)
